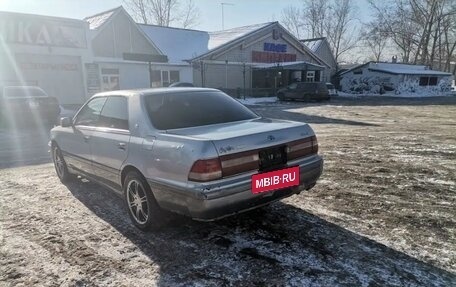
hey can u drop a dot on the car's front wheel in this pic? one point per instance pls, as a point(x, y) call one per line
point(142, 207)
point(60, 165)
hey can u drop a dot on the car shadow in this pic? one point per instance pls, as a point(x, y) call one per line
point(283, 112)
point(24, 145)
point(277, 245)
point(359, 100)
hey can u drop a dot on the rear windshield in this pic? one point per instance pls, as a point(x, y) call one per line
point(192, 109)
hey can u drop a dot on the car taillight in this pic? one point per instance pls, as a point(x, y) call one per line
point(314, 144)
point(205, 170)
point(302, 148)
point(239, 162)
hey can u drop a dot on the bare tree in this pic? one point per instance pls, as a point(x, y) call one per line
point(340, 32)
point(190, 15)
point(316, 14)
point(138, 9)
point(424, 31)
point(164, 12)
point(375, 40)
point(291, 18)
point(332, 19)
point(396, 18)
point(307, 21)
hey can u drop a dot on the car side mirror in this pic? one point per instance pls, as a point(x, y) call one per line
point(65, 122)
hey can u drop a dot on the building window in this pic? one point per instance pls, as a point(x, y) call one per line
point(156, 78)
point(161, 78)
point(428, 81)
point(165, 78)
point(310, 76)
point(174, 76)
point(110, 79)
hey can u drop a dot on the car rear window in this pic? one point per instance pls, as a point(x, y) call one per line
point(192, 109)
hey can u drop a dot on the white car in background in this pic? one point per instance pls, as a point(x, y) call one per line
point(332, 90)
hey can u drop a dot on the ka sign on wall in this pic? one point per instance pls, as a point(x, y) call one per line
point(33, 30)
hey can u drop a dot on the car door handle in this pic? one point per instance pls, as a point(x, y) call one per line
point(121, 146)
point(86, 138)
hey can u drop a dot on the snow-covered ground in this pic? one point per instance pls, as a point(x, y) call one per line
point(256, 101)
point(402, 95)
point(381, 215)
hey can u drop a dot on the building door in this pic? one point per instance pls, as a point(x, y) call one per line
point(110, 79)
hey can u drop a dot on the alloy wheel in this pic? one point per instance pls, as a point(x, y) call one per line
point(137, 201)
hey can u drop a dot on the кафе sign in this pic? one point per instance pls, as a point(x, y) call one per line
point(273, 53)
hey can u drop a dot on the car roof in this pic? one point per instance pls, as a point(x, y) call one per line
point(154, 91)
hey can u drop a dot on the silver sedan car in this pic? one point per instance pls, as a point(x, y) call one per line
point(192, 151)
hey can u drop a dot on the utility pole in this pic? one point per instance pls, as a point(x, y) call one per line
point(243, 73)
point(223, 14)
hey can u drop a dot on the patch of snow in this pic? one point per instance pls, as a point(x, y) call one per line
point(256, 101)
point(439, 181)
point(372, 86)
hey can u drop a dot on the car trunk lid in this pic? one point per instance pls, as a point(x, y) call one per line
point(259, 144)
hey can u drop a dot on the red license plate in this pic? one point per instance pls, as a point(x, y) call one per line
point(277, 179)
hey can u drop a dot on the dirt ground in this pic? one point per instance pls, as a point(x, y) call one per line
point(383, 213)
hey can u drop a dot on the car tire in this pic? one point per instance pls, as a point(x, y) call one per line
point(281, 97)
point(60, 166)
point(143, 209)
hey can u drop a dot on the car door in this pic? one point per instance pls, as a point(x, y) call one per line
point(75, 143)
point(291, 92)
point(109, 141)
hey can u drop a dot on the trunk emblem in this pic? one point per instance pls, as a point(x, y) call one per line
point(271, 138)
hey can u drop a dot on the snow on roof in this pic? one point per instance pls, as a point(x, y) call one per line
point(286, 64)
point(398, 68)
point(184, 44)
point(219, 38)
point(406, 69)
point(97, 20)
point(312, 44)
point(178, 44)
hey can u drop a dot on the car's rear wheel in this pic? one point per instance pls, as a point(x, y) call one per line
point(281, 97)
point(144, 211)
point(60, 165)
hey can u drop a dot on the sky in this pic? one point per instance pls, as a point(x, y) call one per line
point(242, 12)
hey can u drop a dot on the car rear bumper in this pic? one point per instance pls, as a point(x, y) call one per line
point(230, 196)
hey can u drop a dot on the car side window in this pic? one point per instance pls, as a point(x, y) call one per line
point(115, 113)
point(293, 86)
point(90, 113)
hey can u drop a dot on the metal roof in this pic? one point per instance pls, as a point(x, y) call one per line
point(219, 38)
point(185, 44)
point(313, 44)
point(178, 44)
point(398, 69)
point(411, 71)
point(300, 65)
point(97, 20)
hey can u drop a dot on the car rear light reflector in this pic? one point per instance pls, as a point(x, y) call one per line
point(302, 148)
point(239, 162)
point(314, 144)
point(205, 170)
